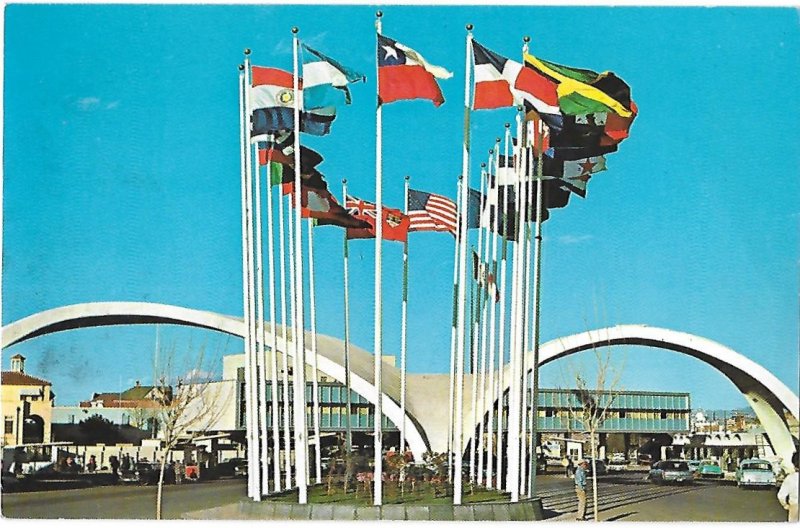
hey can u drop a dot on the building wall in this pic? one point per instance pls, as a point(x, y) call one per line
point(21, 397)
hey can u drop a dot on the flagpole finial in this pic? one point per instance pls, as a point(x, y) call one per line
point(483, 165)
point(295, 30)
point(497, 140)
point(241, 67)
point(408, 177)
point(520, 108)
point(247, 51)
point(491, 151)
point(460, 177)
point(526, 39)
point(508, 125)
point(344, 180)
point(379, 14)
point(469, 27)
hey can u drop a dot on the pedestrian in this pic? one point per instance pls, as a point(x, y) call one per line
point(179, 472)
point(569, 468)
point(113, 461)
point(787, 495)
point(91, 466)
point(580, 489)
point(69, 465)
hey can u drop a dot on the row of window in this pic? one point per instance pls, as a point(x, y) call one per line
point(565, 398)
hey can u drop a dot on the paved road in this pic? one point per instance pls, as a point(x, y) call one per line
point(122, 502)
point(629, 497)
point(625, 497)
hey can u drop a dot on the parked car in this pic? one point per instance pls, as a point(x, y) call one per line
point(240, 469)
point(755, 472)
point(601, 468)
point(709, 469)
point(147, 473)
point(617, 464)
point(693, 465)
point(676, 471)
point(645, 459)
point(228, 467)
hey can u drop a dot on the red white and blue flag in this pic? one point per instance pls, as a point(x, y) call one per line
point(395, 223)
point(405, 74)
point(431, 212)
point(501, 82)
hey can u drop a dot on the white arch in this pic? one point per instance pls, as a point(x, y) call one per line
point(330, 350)
point(767, 395)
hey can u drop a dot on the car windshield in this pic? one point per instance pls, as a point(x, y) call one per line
point(757, 466)
point(710, 463)
point(675, 466)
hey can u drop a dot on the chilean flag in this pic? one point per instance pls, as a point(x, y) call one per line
point(405, 74)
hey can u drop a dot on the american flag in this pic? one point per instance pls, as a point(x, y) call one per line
point(431, 212)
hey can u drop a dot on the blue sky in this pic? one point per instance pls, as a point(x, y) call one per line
point(121, 179)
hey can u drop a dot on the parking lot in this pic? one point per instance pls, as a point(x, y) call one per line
point(630, 496)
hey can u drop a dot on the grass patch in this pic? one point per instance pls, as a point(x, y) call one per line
point(317, 494)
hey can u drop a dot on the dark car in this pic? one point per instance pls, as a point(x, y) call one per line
point(228, 467)
point(147, 473)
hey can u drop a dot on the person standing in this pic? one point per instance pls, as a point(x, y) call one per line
point(787, 495)
point(580, 489)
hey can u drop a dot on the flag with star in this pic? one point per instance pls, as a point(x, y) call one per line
point(574, 174)
point(405, 74)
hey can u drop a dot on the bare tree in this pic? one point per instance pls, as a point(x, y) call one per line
point(594, 400)
point(189, 404)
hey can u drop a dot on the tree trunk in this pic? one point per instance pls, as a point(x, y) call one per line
point(160, 486)
point(594, 476)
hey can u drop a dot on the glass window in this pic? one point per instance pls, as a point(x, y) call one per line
point(9, 424)
point(326, 394)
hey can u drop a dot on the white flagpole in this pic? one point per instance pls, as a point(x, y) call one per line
point(458, 439)
point(287, 444)
point(514, 404)
point(273, 329)
point(483, 375)
point(378, 440)
point(261, 349)
point(451, 402)
point(300, 424)
point(492, 323)
point(537, 284)
point(480, 325)
point(314, 372)
point(475, 348)
point(403, 332)
point(250, 356)
point(244, 135)
point(348, 428)
point(501, 352)
point(524, 320)
point(525, 305)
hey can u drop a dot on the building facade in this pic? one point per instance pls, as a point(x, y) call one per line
point(635, 418)
point(27, 403)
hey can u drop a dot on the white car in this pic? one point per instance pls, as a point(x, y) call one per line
point(756, 473)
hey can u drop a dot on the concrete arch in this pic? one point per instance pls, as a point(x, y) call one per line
point(330, 350)
point(776, 406)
